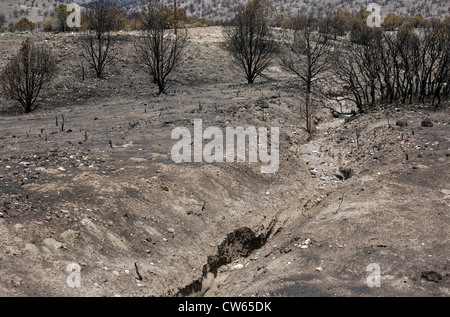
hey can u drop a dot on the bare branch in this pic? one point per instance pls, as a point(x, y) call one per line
point(159, 50)
point(250, 41)
point(24, 76)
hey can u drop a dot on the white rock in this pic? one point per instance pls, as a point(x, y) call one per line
point(52, 243)
point(319, 269)
point(19, 226)
point(31, 248)
point(238, 266)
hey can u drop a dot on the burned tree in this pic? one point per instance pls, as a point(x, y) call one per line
point(24, 76)
point(250, 41)
point(98, 43)
point(398, 67)
point(360, 68)
point(307, 55)
point(159, 49)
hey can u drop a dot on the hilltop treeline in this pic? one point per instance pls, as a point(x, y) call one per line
point(123, 21)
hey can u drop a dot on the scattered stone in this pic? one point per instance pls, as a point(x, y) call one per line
point(346, 172)
point(31, 248)
point(52, 243)
point(432, 276)
point(401, 123)
point(238, 266)
point(19, 226)
point(116, 241)
point(427, 123)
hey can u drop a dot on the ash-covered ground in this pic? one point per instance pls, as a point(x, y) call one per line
point(87, 182)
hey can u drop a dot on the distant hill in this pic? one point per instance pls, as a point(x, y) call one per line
point(225, 9)
point(40, 11)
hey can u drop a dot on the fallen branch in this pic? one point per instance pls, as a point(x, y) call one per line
point(340, 204)
point(138, 276)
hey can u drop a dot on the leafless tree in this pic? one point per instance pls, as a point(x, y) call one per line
point(24, 76)
point(347, 70)
point(158, 49)
point(307, 55)
point(410, 64)
point(250, 40)
point(98, 44)
point(364, 69)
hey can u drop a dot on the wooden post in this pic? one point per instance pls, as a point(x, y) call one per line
point(62, 123)
point(175, 15)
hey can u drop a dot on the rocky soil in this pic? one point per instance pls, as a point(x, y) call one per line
point(387, 205)
point(101, 194)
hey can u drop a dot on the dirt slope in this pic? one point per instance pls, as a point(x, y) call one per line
point(392, 212)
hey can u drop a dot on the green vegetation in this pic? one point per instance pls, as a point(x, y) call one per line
point(24, 25)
